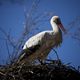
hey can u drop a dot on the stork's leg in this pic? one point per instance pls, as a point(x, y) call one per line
point(40, 61)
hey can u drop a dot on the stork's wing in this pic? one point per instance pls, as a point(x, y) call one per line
point(38, 39)
point(34, 43)
point(28, 51)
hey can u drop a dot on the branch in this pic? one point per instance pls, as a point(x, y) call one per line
point(7, 37)
point(74, 23)
point(27, 25)
point(8, 51)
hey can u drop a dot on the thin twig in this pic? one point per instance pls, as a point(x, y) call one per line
point(28, 25)
point(2, 74)
point(8, 51)
point(7, 37)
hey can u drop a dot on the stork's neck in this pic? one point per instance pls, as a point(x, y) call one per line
point(55, 27)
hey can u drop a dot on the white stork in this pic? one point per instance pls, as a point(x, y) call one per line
point(39, 46)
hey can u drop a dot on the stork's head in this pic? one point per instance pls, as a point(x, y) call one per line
point(56, 19)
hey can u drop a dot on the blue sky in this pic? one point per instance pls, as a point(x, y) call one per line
point(12, 19)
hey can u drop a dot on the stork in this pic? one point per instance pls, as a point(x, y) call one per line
point(39, 46)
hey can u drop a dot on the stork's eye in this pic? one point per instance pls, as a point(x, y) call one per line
point(57, 21)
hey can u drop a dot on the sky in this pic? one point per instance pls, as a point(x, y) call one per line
point(12, 19)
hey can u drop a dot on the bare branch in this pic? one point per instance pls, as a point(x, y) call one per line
point(74, 23)
point(44, 17)
point(27, 25)
point(8, 37)
point(8, 51)
point(77, 38)
point(73, 29)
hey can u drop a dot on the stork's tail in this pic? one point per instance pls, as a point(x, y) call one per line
point(23, 55)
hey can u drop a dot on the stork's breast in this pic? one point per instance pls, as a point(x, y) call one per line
point(52, 40)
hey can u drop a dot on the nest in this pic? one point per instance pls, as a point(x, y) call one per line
point(52, 70)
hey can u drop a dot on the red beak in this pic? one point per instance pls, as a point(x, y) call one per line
point(62, 27)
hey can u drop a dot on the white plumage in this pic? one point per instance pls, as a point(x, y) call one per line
point(39, 46)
